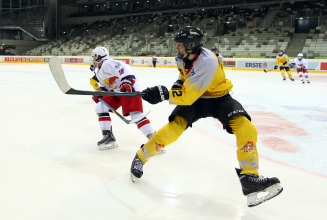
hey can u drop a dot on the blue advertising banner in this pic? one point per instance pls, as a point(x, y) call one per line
point(256, 64)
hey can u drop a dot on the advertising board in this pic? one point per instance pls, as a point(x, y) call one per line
point(24, 59)
point(74, 60)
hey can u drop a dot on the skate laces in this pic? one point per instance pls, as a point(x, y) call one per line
point(255, 178)
point(105, 137)
point(138, 165)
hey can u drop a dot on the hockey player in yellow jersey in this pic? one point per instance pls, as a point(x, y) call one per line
point(200, 91)
point(282, 61)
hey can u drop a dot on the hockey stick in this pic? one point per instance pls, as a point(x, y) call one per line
point(268, 71)
point(122, 117)
point(58, 74)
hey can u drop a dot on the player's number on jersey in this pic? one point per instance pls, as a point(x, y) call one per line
point(121, 71)
point(177, 93)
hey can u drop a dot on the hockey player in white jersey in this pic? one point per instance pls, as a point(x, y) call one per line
point(301, 65)
point(216, 52)
point(116, 76)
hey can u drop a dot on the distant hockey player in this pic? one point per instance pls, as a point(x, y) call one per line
point(301, 67)
point(201, 91)
point(216, 52)
point(282, 61)
point(116, 76)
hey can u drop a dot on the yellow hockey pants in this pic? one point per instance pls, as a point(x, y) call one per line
point(245, 131)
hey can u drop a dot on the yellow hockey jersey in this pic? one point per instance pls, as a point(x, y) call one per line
point(282, 59)
point(204, 79)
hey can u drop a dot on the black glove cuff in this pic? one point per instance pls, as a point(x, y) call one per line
point(178, 84)
point(125, 82)
point(164, 94)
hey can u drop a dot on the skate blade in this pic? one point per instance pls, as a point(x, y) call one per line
point(133, 178)
point(108, 146)
point(273, 191)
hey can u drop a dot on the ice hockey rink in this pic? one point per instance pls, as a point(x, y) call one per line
point(51, 167)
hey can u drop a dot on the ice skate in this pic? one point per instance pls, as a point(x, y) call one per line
point(308, 81)
point(149, 136)
point(136, 168)
point(303, 82)
point(284, 78)
point(252, 185)
point(291, 79)
point(108, 141)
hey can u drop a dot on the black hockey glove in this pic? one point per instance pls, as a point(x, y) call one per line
point(275, 68)
point(178, 84)
point(285, 63)
point(92, 67)
point(156, 94)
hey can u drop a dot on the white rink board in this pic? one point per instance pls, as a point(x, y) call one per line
point(51, 168)
point(242, 63)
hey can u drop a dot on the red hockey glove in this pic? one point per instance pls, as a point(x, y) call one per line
point(291, 65)
point(96, 97)
point(126, 85)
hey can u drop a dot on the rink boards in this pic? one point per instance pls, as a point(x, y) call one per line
point(319, 65)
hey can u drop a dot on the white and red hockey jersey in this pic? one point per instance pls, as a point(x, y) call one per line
point(112, 72)
point(300, 64)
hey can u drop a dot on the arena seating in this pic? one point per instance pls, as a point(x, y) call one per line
point(135, 31)
point(135, 35)
point(316, 43)
point(258, 42)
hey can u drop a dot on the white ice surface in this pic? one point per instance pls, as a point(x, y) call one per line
point(51, 168)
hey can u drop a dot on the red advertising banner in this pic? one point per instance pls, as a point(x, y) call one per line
point(229, 64)
point(24, 59)
point(74, 60)
point(122, 60)
point(323, 66)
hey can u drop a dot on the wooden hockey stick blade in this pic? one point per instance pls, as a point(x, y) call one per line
point(59, 76)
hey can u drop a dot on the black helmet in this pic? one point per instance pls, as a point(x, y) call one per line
point(191, 37)
point(214, 49)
